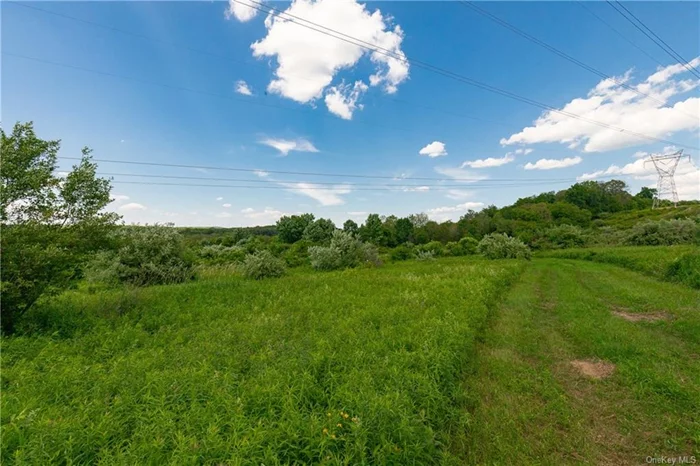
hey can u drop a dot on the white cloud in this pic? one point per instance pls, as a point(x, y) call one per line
point(434, 149)
point(441, 214)
point(326, 196)
point(460, 174)
point(285, 146)
point(243, 88)
point(307, 61)
point(549, 164)
point(219, 198)
point(612, 104)
point(240, 11)
point(261, 173)
point(268, 214)
point(490, 162)
point(417, 189)
point(120, 198)
point(226, 205)
point(132, 206)
point(342, 100)
point(459, 194)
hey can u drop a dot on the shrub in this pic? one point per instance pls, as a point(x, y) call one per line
point(218, 254)
point(344, 251)
point(502, 246)
point(664, 233)
point(401, 253)
point(319, 231)
point(262, 264)
point(686, 269)
point(425, 256)
point(565, 236)
point(297, 254)
point(468, 245)
point(145, 255)
point(434, 247)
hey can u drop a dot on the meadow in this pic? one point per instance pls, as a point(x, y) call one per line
point(361, 366)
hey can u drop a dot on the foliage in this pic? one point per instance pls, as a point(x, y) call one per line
point(319, 231)
point(402, 252)
point(297, 254)
point(664, 232)
point(404, 230)
point(50, 224)
point(143, 256)
point(433, 247)
point(502, 246)
point(219, 254)
point(345, 251)
point(565, 236)
point(425, 255)
point(371, 230)
point(686, 269)
point(262, 264)
point(468, 245)
point(350, 226)
point(291, 228)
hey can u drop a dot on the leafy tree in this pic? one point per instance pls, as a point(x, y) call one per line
point(371, 230)
point(350, 226)
point(419, 220)
point(565, 213)
point(319, 231)
point(50, 224)
point(291, 228)
point(404, 230)
point(646, 193)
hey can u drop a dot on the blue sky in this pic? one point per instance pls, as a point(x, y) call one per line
point(181, 105)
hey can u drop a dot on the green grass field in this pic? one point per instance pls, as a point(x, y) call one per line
point(454, 361)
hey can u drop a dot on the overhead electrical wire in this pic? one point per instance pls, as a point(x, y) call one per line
point(458, 77)
point(639, 24)
point(564, 55)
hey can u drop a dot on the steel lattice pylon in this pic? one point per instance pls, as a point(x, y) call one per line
point(666, 168)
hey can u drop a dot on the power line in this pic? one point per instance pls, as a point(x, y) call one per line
point(612, 28)
point(639, 24)
point(202, 178)
point(558, 52)
point(464, 79)
point(225, 57)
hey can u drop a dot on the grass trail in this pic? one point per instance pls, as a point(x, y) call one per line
point(530, 405)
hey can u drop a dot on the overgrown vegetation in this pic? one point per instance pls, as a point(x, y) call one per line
point(345, 251)
point(502, 246)
point(262, 264)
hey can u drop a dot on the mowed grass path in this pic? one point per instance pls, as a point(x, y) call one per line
point(354, 367)
point(531, 406)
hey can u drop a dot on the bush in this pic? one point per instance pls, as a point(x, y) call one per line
point(218, 254)
point(468, 245)
point(297, 254)
point(262, 264)
point(319, 231)
point(344, 251)
point(401, 253)
point(145, 255)
point(425, 256)
point(433, 247)
point(565, 236)
point(502, 246)
point(664, 233)
point(686, 269)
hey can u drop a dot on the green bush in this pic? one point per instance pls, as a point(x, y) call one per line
point(425, 255)
point(145, 255)
point(434, 247)
point(664, 233)
point(502, 246)
point(686, 269)
point(565, 236)
point(319, 231)
point(219, 254)
point(297, 254)
point(345, 251)
point(401, 253)
point(262, 264)
point(468, 245)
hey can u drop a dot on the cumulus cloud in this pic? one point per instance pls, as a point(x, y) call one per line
point(240, 11)
point(610, 103)
point(442, 214)
point(285, 146)
point(307, 61)
point(226, 205)
point(243, 88)
point(325, 195)
point(489, 162)
point(342, 100)
point(131, 206)
point(434, 149)
point(549, 164)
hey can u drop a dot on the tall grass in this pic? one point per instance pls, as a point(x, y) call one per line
point(360, 366)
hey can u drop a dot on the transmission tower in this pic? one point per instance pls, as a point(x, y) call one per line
point(665, 165)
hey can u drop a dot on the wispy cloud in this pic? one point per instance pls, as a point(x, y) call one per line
point(132, 206)
point(325, 195)
point(243, 88)
point(285, 146)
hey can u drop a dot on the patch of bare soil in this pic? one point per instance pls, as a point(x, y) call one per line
point(637, 317)
point(594, 369)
